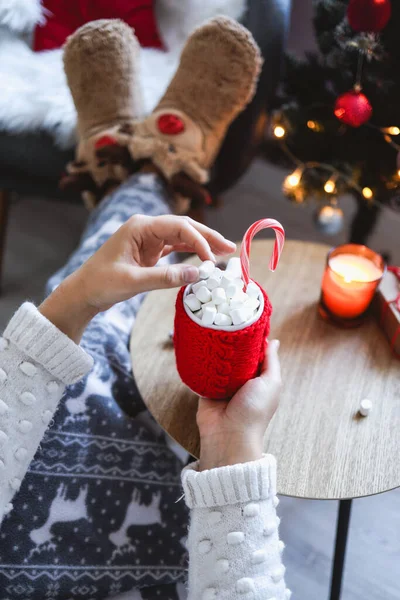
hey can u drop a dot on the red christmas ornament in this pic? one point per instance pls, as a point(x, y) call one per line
point(170, 124)
point(353, 108)
point(105, 140)
point(369, 16)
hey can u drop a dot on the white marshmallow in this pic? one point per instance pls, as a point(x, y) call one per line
point(222, 320)
point(252, 290)
point(209, 313)
point(206, 268)
point(203, 294)
point(211, 303)
point(198, 285)
point(218, 296)
point(239, 299)
point(239, 283)
point(365, 407)
point(192, 302)
point(253, 303)
point(239, 315)
point(234, 266)
point(226, 279)
point(198, 314)
point(224, 308)
point(231, 290)
point(214, 280)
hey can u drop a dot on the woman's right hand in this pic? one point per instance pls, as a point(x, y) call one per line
point(126, 265)
point(232, 431)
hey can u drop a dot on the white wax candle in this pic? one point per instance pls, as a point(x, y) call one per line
point(354, 268)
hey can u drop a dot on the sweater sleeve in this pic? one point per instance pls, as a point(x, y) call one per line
point(233, 542)
point(36, 362)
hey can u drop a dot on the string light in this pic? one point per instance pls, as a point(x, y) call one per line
point(292, 184)
point(391, 130)
point(314, 126)
point(330, 185)
point(367, 193)
point(294, 178)
point(279, 131)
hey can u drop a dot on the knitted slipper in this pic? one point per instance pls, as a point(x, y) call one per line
point(101, 65)
point(215, 80)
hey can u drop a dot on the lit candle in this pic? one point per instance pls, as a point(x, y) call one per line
point(351, 277)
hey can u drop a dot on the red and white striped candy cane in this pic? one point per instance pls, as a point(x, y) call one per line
point(246, 244)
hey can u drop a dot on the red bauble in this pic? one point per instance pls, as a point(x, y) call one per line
point(368, 15)
point(353, 108)
point(170, 124)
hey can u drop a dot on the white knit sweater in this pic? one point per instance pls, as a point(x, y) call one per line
point(234, 548)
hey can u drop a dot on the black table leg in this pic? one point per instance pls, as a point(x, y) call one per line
point(342, 530)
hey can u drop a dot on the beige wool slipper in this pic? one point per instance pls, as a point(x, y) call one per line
point(101, 65)
point(214, 82)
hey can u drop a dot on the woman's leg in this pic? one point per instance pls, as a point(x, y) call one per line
point(96, 515)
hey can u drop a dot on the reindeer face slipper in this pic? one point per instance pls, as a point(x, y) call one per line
point(215, 81)
point(101, 65)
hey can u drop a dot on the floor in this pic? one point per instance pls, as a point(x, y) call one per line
point(41, 236)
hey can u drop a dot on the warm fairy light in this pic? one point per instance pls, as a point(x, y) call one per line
point(330, 186)
point(398, 173)
point(293, 179)
point(387, 139)
point(391, 130)
point(279, 131)
point(367, 193)
point(314, 126)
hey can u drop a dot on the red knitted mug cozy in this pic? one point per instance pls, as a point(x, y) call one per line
point(216, 363)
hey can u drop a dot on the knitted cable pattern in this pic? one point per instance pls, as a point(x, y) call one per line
point(215, 364)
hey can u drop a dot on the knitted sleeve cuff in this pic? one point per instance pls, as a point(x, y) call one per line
point(38, 338)
point(230, 485)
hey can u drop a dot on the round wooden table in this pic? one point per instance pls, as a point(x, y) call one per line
point(324, 449)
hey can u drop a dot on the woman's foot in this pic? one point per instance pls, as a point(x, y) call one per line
point(101, 65)
point(215, 80)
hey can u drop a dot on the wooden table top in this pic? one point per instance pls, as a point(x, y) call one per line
point(323, 448)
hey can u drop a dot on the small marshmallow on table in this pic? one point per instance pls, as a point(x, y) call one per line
point(218, 298)
point(365, 407)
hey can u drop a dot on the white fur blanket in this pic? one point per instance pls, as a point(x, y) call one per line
point(33, 91)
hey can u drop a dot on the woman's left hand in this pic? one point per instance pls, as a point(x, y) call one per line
point(126, 265)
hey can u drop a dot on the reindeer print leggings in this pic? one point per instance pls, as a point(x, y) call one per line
point(97, 514)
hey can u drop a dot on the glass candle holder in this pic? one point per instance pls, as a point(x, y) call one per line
point(351, 276)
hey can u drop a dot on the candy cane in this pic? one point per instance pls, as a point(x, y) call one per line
point(246, 244)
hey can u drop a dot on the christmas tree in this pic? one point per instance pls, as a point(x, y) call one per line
point(337, 118)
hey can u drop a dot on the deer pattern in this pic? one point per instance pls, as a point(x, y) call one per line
point(102, 482)
point(136, 514)
point(62, 510)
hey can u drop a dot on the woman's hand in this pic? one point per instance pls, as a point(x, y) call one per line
point(232, 431)
point(125, 266)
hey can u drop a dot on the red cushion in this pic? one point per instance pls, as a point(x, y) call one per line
point(65, 16)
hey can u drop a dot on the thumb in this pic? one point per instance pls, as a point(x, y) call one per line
point(165, 276)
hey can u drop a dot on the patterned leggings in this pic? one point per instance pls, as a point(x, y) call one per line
point(97, 514)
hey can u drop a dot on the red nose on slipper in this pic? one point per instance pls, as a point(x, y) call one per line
point(170, 124)
point(105, 140)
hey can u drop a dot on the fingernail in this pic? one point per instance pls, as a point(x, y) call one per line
point(277, 344)
point(191, 274)
point(231, 244)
